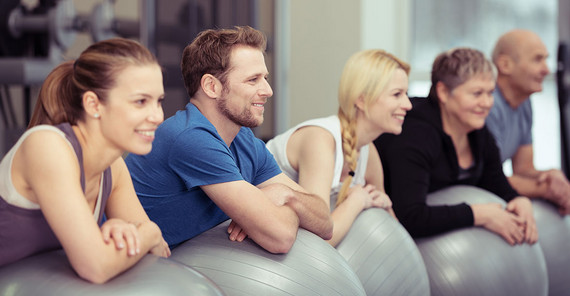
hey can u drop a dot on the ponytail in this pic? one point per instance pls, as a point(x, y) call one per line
point(57, 101)
point(350, 153)
point(96, 69)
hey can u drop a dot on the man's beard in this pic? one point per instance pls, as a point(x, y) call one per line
point(245, 118)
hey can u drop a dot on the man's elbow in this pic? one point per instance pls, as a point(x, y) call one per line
point(283, 244)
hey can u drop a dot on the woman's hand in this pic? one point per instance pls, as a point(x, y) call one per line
point(506, 224)
point(236, 232)
point(522, 207)
point(123, 234)
point(161, 249)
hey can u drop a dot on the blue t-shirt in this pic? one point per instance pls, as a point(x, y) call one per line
point(511, 128)
point(188, 153)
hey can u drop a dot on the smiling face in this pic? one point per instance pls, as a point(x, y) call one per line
point(388, 111)
point(246, 90)
point(133, 109)
point(466, 107)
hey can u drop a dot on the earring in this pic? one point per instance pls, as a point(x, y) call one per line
point(96, 115)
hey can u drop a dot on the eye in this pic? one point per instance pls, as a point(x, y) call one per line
point(140, 102)
point(160, 101)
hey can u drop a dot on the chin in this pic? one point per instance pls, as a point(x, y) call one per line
point(141, 150)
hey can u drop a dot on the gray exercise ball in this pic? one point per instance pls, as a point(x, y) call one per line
point(51, 274)
point(384, 256)
point(475, 261)
point(554, 239)
point(311, 267)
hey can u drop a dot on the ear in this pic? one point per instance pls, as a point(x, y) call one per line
point(91, 104)
point(359, 103)
point(442, 92)
point(505, 64)
point(211, 86)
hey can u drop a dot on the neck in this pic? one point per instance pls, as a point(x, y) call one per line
point(513, 97)
point(98, 155)
point(227, 129)
point(365, 133)
point(453, 128)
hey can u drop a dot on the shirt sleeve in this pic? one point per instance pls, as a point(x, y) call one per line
point(408, 161)
point(527, 114)
point(200, 157)
point(268, 167)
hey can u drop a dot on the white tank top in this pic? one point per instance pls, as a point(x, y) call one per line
point(7, 190)
point(278, 147)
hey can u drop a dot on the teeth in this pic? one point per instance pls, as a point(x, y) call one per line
point(401, 117)
point(258, 105)
point(146, 133)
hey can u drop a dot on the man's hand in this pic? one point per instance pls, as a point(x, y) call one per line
point(522, 207)
point(236, 233)
point(558, 189)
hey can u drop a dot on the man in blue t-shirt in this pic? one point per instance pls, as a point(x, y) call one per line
point(206, 165)
point(520, 57)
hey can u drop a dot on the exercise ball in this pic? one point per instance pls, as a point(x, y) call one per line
point(311, 267)
point(51, 274)
point(384, 256)
point(554, 239)
point(475, 261)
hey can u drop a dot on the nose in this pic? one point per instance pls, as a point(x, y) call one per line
point(407, 104)
point(488, 101)
point(265, 90)
point(545, 70)
point(156, 115)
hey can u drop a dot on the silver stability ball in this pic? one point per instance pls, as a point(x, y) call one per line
point(554, 239)
point(51, 274)
point(475, 261)
point(384, 256)
point(311, 267)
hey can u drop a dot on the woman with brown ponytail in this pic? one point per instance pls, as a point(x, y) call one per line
point(67, 170)
point(334, 157)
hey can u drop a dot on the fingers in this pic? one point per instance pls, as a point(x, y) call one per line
point(531, 233)
point(236, 232)
point(123, 234)
point(231, 227)
point(126, 235)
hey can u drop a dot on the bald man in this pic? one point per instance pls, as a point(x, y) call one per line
point(520, 58)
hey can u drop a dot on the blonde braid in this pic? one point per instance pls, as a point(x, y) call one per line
point(348, 128)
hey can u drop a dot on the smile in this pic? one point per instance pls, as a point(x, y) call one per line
point(257, 105)
point(146, 133)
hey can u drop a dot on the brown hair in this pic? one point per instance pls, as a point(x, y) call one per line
point(455, 66)
point(210, 53)
point(366, 74)
point(60, 98)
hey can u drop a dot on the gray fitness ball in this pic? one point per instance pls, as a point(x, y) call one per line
point(384, 256)
point(51, 274)
point(475, 261)
point(312, 266)
point(554, 238)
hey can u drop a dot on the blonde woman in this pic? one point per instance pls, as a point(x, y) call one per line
point(334, 157)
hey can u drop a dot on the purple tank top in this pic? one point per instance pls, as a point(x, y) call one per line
point(25, 232)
